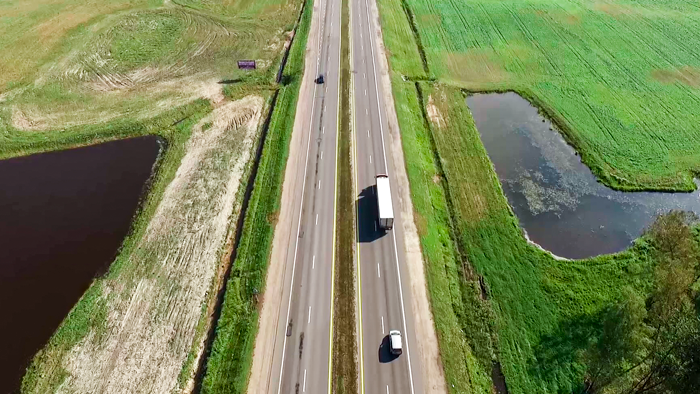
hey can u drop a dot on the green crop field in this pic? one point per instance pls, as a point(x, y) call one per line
point(621, 81)
point(621, 78)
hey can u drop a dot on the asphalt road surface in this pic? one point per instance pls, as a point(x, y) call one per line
point(382, 268)
point(302, 358)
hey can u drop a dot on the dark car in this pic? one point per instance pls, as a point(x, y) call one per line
point(320, 79)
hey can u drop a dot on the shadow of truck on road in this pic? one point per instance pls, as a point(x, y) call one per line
point(367, 213)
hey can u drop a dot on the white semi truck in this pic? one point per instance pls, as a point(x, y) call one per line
point(386, 210)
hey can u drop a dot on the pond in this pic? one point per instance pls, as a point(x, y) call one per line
point(64, 216)
point(559, 202)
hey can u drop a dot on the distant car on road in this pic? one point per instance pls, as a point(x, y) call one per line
point(395, 342)
point(320, 79)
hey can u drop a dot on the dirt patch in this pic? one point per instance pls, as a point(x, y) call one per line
point(20, 121)
point(180, 91)
point(433, 375)
point(477, 65)
point(155, 303)
point(614, 10)
point(56, 27)
point(434, 113)
point(687, 75)
point(30, 118)
point(560, 16)
point(430, 19)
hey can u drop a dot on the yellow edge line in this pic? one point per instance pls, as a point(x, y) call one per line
point(357, 208)
point(335, 214)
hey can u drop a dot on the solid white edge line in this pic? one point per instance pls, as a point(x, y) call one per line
point(396, 252)
point(301, 206)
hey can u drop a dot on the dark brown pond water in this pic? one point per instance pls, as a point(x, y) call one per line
point(557, 198)
point(63, 216)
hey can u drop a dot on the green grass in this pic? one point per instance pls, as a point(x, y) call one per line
point(533, 295)
point(229, 364)
point(145, 39)
point(621, 79)
point(537, 306)
point(443, 266)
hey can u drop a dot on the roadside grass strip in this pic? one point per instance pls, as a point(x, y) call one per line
point(228, 367)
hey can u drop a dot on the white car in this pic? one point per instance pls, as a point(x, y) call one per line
point(395, 342)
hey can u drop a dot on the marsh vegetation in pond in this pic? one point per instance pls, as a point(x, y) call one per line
point(557, 199)
point(64, 216)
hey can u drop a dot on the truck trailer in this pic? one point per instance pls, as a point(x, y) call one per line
point(385, 208)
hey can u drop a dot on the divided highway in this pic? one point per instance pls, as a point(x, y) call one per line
point(303, 342)
point(384, 290)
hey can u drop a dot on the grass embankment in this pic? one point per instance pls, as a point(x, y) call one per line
point(90, 312)
point(534, 307)
point(345, 375)
point(148, 308)
point(534, 314)
point(614, 76)
point(541, 305)
point(229, 365)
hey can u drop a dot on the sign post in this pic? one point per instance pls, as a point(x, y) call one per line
point(246, 64)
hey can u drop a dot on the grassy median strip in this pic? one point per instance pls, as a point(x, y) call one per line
point(228, 367)
point(344, 379)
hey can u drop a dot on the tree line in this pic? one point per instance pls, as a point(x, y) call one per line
point(650, 343)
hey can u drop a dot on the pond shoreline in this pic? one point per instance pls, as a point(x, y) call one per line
point(561, 205)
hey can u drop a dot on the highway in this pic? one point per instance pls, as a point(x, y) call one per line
point(383, 284)
point(301, 360)
point(302, 347)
